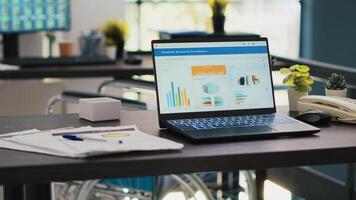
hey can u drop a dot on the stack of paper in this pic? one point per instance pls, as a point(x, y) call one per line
point(99, 141)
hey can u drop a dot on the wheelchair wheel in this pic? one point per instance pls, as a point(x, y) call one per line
point(163, 187)
point(198, 186)
point(237, 185)
point(248, 188)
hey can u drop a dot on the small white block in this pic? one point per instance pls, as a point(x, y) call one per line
point(99, 109)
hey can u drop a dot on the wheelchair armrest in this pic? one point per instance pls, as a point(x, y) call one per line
point(148, 85)
point(74, 96)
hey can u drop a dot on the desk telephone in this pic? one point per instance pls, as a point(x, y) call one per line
point(341, 109)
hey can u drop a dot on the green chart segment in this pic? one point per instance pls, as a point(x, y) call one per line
point(177, 97)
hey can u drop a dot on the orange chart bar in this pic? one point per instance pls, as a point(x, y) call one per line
point(184, 97)
point(209, 70)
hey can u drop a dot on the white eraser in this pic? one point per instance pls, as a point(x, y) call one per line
point(99, 109)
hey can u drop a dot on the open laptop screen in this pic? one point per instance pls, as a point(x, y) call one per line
point(212, 76)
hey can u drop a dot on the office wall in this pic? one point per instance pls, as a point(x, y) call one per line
point(32, 44)
point(328, 34)
point(328, 31)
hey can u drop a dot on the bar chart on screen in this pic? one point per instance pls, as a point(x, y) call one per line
point(177, 96)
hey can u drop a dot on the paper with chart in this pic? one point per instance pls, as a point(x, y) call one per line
point(118, 139)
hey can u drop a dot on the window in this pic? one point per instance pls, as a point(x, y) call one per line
point(279, 20)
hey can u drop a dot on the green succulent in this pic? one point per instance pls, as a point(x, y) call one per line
point(298, 77)
point(335, 82)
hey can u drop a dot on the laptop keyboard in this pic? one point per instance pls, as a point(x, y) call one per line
point(229, 122)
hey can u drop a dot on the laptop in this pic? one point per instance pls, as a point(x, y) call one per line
point(210, 89)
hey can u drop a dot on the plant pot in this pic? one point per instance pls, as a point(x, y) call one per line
point(338, 93)
point(66, 49)
point(111, 52)
point(218, 23)
point(293, 97)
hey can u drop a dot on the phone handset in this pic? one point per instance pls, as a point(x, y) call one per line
point(342, 109)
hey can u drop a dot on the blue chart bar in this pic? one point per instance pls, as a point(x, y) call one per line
point(179, 102)
point(172, 94)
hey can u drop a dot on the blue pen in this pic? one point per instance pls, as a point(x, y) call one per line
point(81, 138)
point(72, 137)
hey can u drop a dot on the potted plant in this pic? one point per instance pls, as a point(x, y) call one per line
point(115, 33)
point(336, 85)
point(218, 18)
point(299, 81)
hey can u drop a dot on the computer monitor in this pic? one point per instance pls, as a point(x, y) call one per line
point(21, 16)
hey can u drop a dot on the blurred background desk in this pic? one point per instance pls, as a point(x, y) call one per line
point(118, 70)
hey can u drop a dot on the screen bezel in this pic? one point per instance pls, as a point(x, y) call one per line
point(167, 116)
point(66, 28)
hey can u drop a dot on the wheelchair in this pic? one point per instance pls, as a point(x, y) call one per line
point(197, 186)
point(238, 185)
